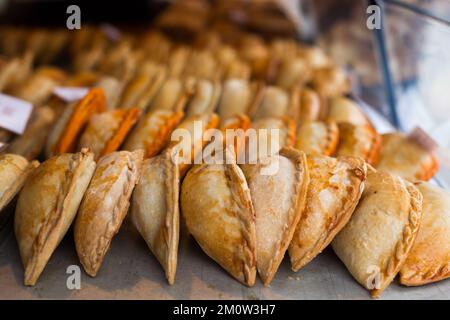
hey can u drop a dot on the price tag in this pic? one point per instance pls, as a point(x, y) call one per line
point(70, 94)
point(14, 113)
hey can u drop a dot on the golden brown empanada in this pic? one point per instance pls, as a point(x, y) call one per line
point(294, 71)
point(333, 193)
point(65, 132)
point(275, 103)
point(278, 186)
point(104, 206)
point(15, 71)
point(341, 109)
point(381, 232)
point(330, 81)
point(171, 96)
point(317, 137)
point(153, 131)
point(237, 98)
point(284, 128)
point(31, 143)
point(14, 170)
point(406, 158)
point(217, 208)
point(358, 141)
point(112, 88)
point(106, 131)
point(187, 143)
point(429, 259)
point(310, 105)
point(204, 98)
point(47, 206)
point(155, 210)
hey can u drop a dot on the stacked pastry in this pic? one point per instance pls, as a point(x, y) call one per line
point(124, 145)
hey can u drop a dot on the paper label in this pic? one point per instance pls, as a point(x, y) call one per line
point(70, 94)
point(14, 113)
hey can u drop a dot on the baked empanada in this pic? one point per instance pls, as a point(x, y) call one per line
point(330, 81)
point(310, 106)
point(268, 129)
point(65, 132)
point(317, 137)
point(153, 131)
point(14, 170)
point(429, 259)
point(406, 158)
point(106, 131)
point(171, 96)
point(293, 72)
point(333, 193)
point(275, 103)
point(341, 109)
point(381, 232)
point(204, 98)
point(155, 210)
point(237, 98)
point(112, 88)
point(358, 141)
point(47, 206)
point(104, 206)
point(187, 142)
point(217, 208)
point(278, 186)
point(31, 143)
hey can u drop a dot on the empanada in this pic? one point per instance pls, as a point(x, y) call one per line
point(217, 208)
point(64, 134)
point(112, 88)
point(429, 259)
point(204, 98)
point(47, 206)
point(333, 193)
point(153, 131)
point(31, 143)
point(104, 206)
point(278, 198)
point(293, 71)
point(106, 131)
point(358, 141)
point(330, 81)
point(317, 137)
point(341, 109)
point(155, 210)
point(171, 96)
point(310, 106)
point(406, 158)
point(14, 170)
point(237, 98)
point(269, 129)
point(275, 103)
point(381, 232)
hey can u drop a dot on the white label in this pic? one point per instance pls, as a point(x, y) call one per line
point(2, 146)
point(70, 94)
point(14, 113)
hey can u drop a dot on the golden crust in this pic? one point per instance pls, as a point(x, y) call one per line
point(237, 97)
point(429, 259)
point(406, 158)
point(333, 193)
point(330, 81)
point(310, 106)
point(14, 170)
point(155, 210)
point(47, 206)
point(359, 141)
point(106, 131)
point(318, 137)
point(204, 98)
point(278, 199)
point(218, 211)
point(286, 132)
point(104, 206)
point(378, 238)
point(343, 109)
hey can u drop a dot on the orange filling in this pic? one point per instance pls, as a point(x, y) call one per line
point(163, 134)
point(92, 103)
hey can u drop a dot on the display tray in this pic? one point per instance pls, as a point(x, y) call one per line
point(130, 271)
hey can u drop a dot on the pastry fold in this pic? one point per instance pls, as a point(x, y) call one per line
point(105, 206)
point(317, 137)
point(334, 190)
point(278, 186)
point(381, 232)
point(47, 206)
point(155, 210)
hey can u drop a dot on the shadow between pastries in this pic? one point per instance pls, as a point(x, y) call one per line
point(278, 186)
point(334, 190)
point(104, 206)
point(47, 206)
point(381, 232)
point(155, 210)
point(217, 208)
